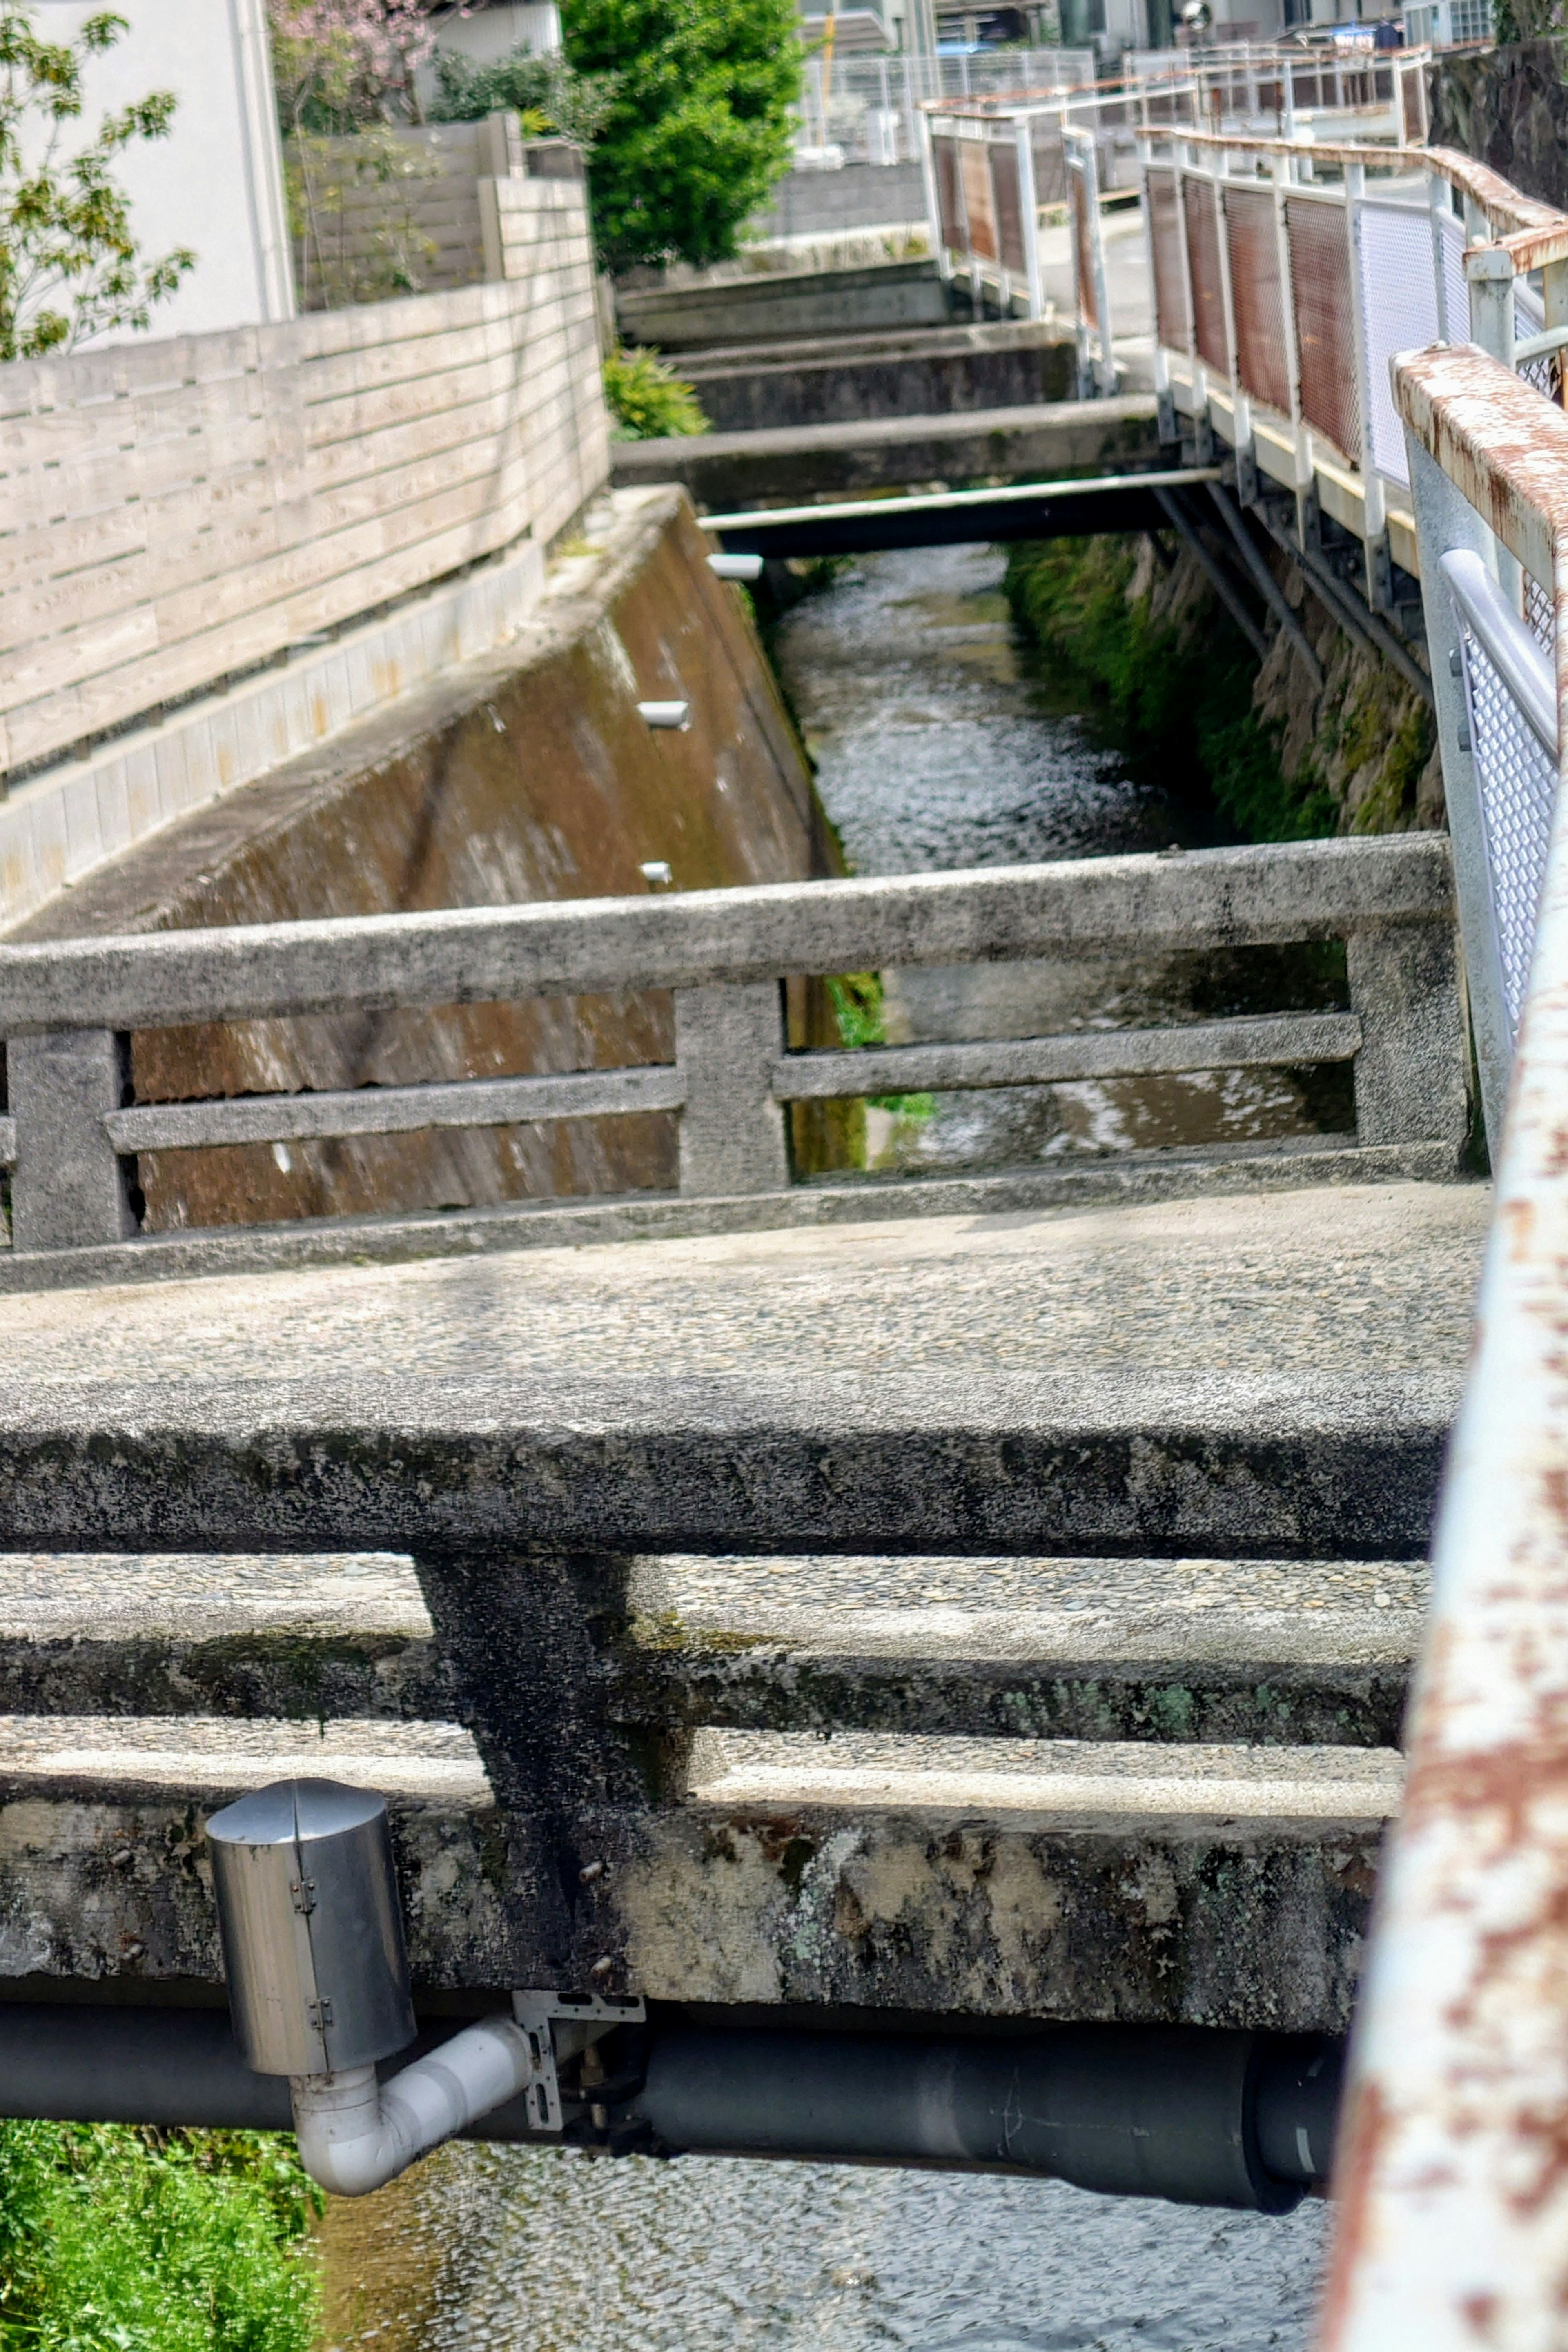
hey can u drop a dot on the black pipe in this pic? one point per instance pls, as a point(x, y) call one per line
point(1201, 2116)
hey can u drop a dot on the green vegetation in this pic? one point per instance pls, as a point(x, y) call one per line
point(115, 2239)
point(858, 1010)
point(697, 127)
point(70, 267)
point(1186, 709)
point(551, 98)
point(648, 399)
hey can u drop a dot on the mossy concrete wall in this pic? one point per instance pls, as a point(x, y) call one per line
point(1281, 758)
point(1508, 107)
point(528, 774)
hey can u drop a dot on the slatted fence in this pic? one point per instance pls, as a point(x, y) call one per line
point(174, 512)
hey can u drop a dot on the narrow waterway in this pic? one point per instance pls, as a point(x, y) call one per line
point(939, 744)
point(942, 741)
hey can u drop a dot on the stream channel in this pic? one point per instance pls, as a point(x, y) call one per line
point(939, 743)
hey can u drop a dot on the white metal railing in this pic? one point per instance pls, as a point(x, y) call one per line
point(868, 107)
point(993, 166)
point(1453, 2225)
point(1284, 279)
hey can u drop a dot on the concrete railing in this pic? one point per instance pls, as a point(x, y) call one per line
point(1454, 2226)
point(66, 1009)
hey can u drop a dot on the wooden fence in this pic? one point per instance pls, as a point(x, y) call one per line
point(174, 513)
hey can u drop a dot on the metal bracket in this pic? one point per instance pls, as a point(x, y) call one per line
point(586, 2017)
point(1246, 474)
point(1170, 432)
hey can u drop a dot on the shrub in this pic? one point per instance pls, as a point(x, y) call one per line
point(697, 127)
point(648, 399)
point(115, 2239)
point(70, 267)
point(545, 91)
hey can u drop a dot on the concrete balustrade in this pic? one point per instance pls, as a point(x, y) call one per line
point(66, 1008)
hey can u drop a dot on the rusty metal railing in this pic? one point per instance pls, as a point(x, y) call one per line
point(1453, 2175)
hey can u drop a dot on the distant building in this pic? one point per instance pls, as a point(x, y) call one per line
point(215, 184)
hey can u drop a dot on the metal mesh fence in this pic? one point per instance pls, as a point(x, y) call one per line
point(1257, 296)
point(1540, 613)
point(1518, 784)
point(1009, 206)
point(1397, 288)
point(974, 168)
point(1456, 293)
point(1163, 215)
point(1204, 265)
point(1325, 326)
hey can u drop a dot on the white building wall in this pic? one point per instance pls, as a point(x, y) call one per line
point(215, 184)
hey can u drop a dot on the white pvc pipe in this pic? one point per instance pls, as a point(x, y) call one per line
point(355, 2135)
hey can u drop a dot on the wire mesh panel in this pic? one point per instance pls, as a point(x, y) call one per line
point(944, 157)
point(1257, 296)
point(1545, 372)
point(1325, 326)
point(1396, 285)
point(1009, 207)
point(1202, 212)
point(1161, 211)
point(1456, 292)
point(978, 211)
point(1050, 164)
point(1517, 783)
point(1540, 616)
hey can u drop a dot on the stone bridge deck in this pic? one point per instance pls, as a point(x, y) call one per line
point(1006, 1613)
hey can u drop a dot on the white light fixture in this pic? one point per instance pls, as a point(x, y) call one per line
point(676, 715)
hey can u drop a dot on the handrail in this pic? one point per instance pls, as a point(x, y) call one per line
point(1452, 2231)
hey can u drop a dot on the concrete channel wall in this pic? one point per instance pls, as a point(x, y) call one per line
point(525, 774)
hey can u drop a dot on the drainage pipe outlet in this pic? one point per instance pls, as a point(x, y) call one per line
point(317, 1982)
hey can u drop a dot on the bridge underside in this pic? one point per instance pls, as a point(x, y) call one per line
point(1007, 1616)
point(932, 521)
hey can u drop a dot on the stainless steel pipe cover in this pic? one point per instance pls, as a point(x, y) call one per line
point(311, 1929)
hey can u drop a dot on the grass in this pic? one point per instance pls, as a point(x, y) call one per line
point(114, 2238)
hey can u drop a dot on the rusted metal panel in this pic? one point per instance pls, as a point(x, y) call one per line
point(975, 173)
point(1201, 211)
point(1494, 435)
point(1009, 208)
point(1318, 232)
point(1172, 314)
point(1258, 298)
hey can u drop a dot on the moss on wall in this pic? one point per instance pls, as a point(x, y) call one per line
point(528, 775)
point(1182, 690)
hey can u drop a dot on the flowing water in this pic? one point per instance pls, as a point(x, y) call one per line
point(940, 743)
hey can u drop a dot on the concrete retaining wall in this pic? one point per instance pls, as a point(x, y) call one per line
point(778, 304)
point(525, 774)
point(862, 195)
point(935, 371)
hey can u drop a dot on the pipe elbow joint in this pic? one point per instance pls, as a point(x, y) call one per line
point(355, 2135)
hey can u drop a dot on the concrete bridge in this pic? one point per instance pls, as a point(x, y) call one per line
point(966, 1611)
